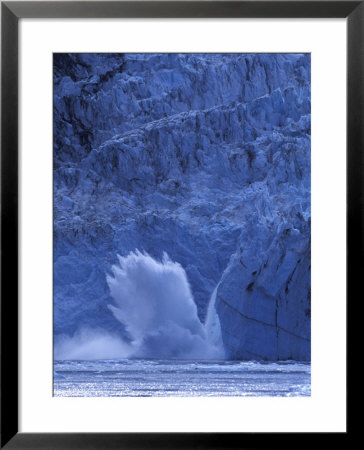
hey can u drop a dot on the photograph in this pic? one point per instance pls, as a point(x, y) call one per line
point(181, 224)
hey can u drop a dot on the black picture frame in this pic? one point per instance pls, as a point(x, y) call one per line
point(11, 12)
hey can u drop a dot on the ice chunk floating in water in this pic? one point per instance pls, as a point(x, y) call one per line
point(153, 300)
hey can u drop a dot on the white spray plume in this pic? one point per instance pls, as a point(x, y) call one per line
point(153, 300)
point(91, 344)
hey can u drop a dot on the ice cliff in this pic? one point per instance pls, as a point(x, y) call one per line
point(203, 156)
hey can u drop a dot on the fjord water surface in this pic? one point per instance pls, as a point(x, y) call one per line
point(180, 378)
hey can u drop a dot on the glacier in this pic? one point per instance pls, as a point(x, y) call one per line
point(204, 157)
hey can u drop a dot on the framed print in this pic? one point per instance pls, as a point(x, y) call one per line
point(155, 315)
point(179, 214)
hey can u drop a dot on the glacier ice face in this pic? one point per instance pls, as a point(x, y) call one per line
point(203, 156)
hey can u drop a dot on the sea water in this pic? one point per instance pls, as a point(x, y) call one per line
point(180, 378)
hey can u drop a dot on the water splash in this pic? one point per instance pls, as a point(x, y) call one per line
point(212, 323)
point(213, 327)
point(154, 302)
point(90, 344)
